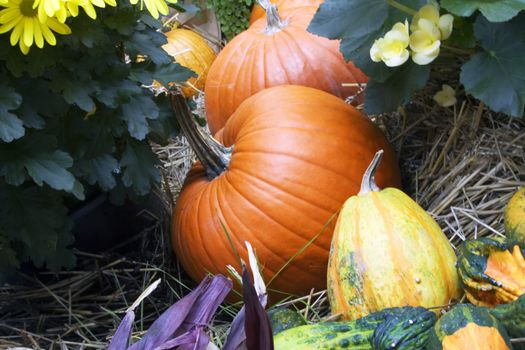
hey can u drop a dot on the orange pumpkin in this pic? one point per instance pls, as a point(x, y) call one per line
point(190, 50)
point(276, 53)
point(282, 5)
point(298, 153)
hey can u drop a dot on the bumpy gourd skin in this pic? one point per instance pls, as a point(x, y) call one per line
point(386, 252)
point(469, 327)
point(512, 317)
point(283, 319)
point(407, 330)
point(355, 335)
point(515, 217)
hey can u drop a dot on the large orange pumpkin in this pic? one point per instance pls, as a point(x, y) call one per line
point(282, 5)
point(271, 53)
point(298, 153)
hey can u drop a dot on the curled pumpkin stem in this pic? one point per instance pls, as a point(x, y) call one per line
point(273, 20)
point(369, 178)
point(214, 156)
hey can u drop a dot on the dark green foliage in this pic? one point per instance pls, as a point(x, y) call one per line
point(282, 319)
point(409, 329)
point(494, 74)
point(233, 15)
point(497, 75)
point(75, 116)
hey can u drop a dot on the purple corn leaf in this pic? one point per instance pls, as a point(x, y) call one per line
point(196, 339)
point(207, 304)
point(169, 322)
point(256, 322)
point(237, 336)
point(120, 340)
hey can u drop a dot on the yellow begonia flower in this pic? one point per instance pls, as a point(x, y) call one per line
point(392, 48)
point(446, 97)
point(430, 13)
point(21, 18)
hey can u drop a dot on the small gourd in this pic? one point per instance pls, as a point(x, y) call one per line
point(408, 329)
point(512, 317)
point(492, 271)
point(515, 217)
point(387, 251)
point(282, 319)
point(469, 327)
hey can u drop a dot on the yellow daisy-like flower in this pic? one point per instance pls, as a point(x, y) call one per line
point(155, 6)
point(22, 20)
point(51, 8)
point(87, 5)
point(3, 2)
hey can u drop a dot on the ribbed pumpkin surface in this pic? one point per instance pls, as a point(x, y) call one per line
point(387, 251)
point(255, 60)
point(191, 51)
point(515, 217)
point(282, 5)
point(298, 154)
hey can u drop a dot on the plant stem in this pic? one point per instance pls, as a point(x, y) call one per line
point(274, 23)
point(369, 178)
point(214, 157)
point(401, 7)
point(457, 50)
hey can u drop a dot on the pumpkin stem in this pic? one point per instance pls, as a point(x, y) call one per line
point(369, 178)
point(214, 156)
point(274, 23)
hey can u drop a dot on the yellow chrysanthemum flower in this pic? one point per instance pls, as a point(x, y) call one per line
point(51, 8)
point(155, 6)
point(392, 48)
point(87, 5)
point(3, 2)
point(21, 19)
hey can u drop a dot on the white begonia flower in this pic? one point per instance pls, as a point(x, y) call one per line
point(425, 42)
point(446, 97)
point(392, 48)
point(430, 12)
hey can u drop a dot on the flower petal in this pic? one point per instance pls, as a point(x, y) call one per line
point(39, 38)
point(375, 51)
point(397, 60)
point(16, 33)
point(446, 23)
point(430, 12)
point(424, 59)
point(60, 28)
point(48, 35)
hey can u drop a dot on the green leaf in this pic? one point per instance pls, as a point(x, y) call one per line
point(37, 217)
point(172, 72)
point(337, 19)
point(99, 170)
point(463, 34)
point(165, 126)
point(355, 45)
point(9, 99)
point(51, 169)
point(387, 96)
point(139, 164)
point(497, 75)
point(35, 155)
point(136, 113)
point(493, 10)
point(149, 45)
point(75, 90)
point(11, 128)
